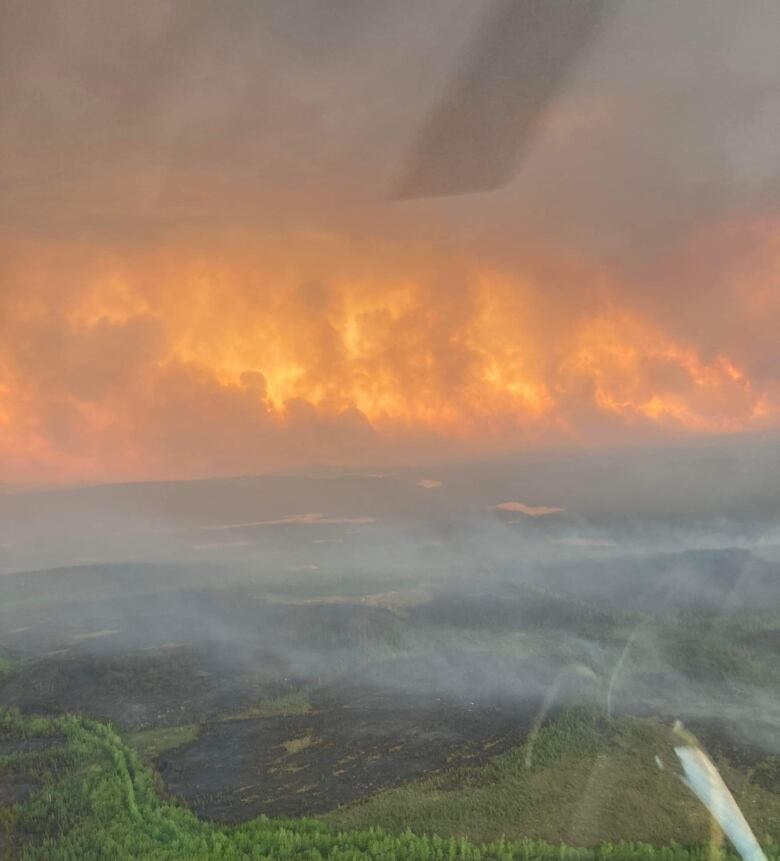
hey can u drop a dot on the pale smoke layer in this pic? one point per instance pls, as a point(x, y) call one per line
point(703, 779)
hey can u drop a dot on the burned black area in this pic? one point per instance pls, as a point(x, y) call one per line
point(186, 656)
point(25, 767)
point(142, 689)
point(16, 788)
point(401, 684)
point(354, 743)
point(15, 746)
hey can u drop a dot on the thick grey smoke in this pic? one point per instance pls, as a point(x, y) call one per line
point(634, 582)
point(170, 110)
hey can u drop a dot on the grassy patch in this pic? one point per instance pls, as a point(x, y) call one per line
point(6, 668)
point(150, 743)
point(288, 704)
point(296, 745)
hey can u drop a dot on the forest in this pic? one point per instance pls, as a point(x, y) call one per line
point(93, 799)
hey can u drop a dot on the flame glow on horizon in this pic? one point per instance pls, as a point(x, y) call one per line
point(201, 272)
point(255, 354)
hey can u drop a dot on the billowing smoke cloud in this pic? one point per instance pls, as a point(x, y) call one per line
point(203, 272)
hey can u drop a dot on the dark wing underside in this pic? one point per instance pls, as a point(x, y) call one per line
point(521, 58)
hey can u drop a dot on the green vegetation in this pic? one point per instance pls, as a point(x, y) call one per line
point(578, 780)
point(6, 668)
point(288, 704)
point(99, 803)
point(722, 649)
point(295, 745)
point(150, 743)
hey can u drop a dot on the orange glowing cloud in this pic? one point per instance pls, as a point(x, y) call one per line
point(244, 353)
point(529, 510)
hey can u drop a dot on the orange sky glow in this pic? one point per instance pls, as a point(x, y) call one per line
point(300, 350)
point(204, 271)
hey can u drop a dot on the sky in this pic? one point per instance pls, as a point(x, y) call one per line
point(204, 268)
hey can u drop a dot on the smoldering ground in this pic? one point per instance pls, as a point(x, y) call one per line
point(641, 582)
